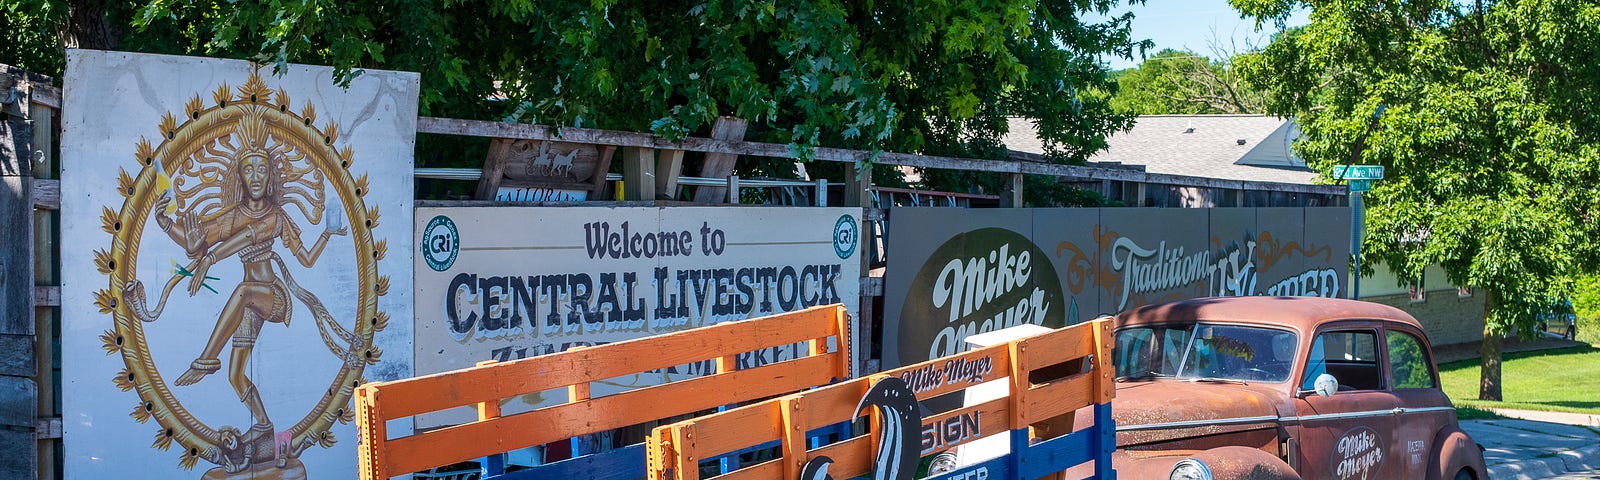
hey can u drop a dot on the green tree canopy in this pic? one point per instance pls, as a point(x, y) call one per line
point(930, 77)
point(1183, 82)
point(1489, 135)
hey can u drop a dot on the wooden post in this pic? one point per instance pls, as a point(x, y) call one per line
point(669, 164)
point(1012, 198)
point(858, 193)
point(733, 189)
point(18, 389)
point(793, 442)
point(597, 184)
point(45, 265)
point(638, 174)
point(857, 186)
point(493, 464)
point(494, 168)
point(718, 165)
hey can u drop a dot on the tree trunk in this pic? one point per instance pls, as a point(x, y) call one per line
point(87, 27)
point(1489, 354)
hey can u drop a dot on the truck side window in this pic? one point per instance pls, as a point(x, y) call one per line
point(1350, 356)
point(1408, 362)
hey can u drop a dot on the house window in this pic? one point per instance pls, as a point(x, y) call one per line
point(1418, 293)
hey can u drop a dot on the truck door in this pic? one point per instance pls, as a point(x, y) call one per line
point(1347, 435)
point(1424, 409)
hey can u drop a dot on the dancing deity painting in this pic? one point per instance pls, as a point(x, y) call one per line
point(249, 179)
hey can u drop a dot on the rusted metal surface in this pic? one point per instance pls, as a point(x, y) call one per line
point(1274, 430)
point(1299, 313)
point(1217, 409)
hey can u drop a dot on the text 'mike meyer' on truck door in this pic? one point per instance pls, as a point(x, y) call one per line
point(958, 272)
point(502, 283)
point(236, 259)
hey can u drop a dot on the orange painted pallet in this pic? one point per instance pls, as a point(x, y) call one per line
point(1050, 376)
point(486, 385)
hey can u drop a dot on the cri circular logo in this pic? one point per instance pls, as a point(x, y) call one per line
point(845, 232)
point(440, 242)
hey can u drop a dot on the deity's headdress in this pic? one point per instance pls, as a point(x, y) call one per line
point(210, 183)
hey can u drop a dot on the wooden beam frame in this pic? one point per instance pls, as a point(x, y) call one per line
point(479, 128)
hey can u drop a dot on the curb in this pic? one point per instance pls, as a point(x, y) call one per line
point(1578, 419)
point(1584, 459)
point(1533, 469)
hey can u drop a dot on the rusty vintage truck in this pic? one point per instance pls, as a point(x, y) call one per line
point(1282, 388)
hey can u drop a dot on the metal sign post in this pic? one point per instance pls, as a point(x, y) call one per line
point(1358, 215)
point(1360, 178)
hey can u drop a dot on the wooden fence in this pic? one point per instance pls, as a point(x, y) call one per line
point(1050, 377)
point(30, 292)
point(487, 385)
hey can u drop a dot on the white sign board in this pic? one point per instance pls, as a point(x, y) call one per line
point(502, 283)
point(228, 279)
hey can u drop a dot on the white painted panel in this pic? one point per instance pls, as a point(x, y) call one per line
point(279, 334)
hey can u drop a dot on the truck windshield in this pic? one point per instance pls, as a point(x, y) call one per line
point(1205, 352)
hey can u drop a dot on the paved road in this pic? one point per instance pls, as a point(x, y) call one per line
point(1530, 449)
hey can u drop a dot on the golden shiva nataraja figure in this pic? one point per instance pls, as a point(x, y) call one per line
point(221, 186)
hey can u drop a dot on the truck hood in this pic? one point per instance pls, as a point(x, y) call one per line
point(1162, 410)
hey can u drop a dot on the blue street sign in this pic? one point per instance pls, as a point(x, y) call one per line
point(1358, 172)
point(1361, 185)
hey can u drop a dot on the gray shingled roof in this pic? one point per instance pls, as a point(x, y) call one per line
point(1212, 150)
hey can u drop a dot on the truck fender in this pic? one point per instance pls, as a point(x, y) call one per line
point(1452, 451)
point(1241, 463)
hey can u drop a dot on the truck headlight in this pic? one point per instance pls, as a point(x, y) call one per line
point(942, 463)
point(1190, 469)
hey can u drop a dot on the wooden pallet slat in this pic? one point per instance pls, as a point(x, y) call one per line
point(1051, 376)
point(537, 374)
point(484, 386)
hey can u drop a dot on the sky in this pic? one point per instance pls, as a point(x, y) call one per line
point(1192, 25)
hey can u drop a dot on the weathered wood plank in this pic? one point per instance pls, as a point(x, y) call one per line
point(494, 167)
point(669, 166)
point(16, 147)
point(16, 258)
point(14, 96)
point(46, 296)
point(44, 134)
point(1029, 164)
point(17, 402)
point(479, 128)
point(47, 428)
point(720, 164)
point(1013, 191)
point(13, 364)
point(47, 96)
point(638, 174)
point(599, 179)
point(857, 187)
point(19, 460)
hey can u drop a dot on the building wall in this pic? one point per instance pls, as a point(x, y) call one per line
point(1446, 317)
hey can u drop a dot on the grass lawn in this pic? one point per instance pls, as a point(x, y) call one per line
point(1564, 380)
